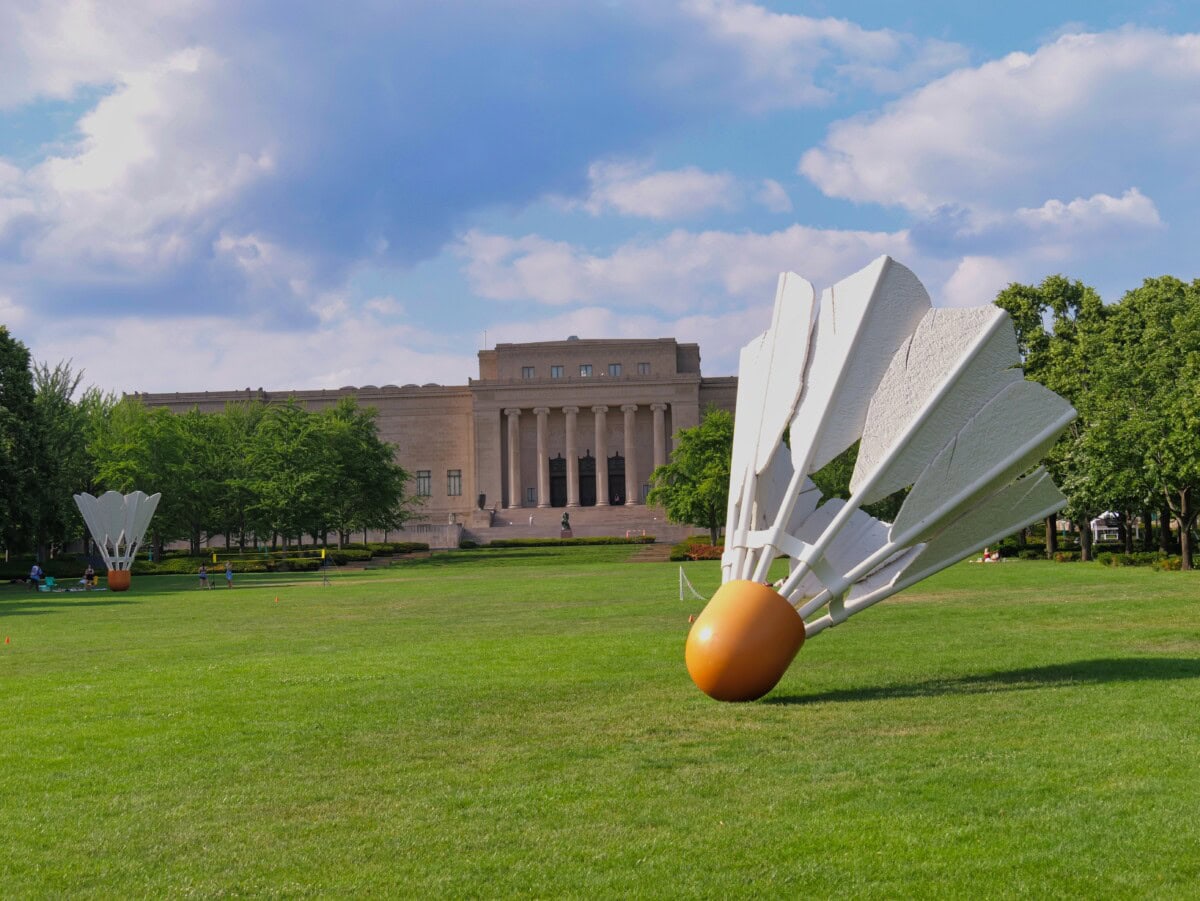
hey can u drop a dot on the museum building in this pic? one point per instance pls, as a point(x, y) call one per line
point(574, 424)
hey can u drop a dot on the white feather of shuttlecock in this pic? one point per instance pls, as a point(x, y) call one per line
point(118, 523)
point(938, 403)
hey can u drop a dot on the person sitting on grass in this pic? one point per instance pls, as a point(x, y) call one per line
point(203, 577)
point(35, 576)
point(89, 577)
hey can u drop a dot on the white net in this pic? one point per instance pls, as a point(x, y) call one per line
point(685, 585)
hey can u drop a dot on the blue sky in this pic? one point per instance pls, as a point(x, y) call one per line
point(309, 195)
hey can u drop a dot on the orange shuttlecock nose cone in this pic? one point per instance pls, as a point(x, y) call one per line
point(743, 642)
point(118, 580)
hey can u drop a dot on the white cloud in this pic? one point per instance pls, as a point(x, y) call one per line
point(976, 281)
point(266, 267)
point(384, 306)
point(720, 335)
point(774, 197)
point(1074, 118)
point(11, 313)
point(215, 353)
point(632, 190)
point(795, 60)
point(682, 271)
point(1091, 213)
point(132, 197)
point(51, 48)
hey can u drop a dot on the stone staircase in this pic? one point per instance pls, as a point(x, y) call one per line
point(659, 552)
point(586, 522)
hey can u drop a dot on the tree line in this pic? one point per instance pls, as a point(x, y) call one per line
point(254, 472)
point(1130, 368)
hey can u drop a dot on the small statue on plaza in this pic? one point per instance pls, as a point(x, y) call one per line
point(566, 522)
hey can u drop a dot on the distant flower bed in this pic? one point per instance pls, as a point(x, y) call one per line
point(696, 548)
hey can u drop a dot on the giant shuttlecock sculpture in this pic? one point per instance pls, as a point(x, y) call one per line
point(937, 400)
point(118, 524)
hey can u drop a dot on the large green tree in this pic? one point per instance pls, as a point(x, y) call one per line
point(277, 470)
point(693, 487)
point(1145, 404)
point(833, 480)
point(364, 487)
point(138, 449)
point(1060, 326)
point(234, 492)
point(65, 423)
point(289, 472)
point(20, 446)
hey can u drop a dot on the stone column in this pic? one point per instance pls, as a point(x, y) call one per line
point(601, 456)
point(631, 477)
point(514, 456)
point(572, 458)
point(660, 434)
point(543, 461)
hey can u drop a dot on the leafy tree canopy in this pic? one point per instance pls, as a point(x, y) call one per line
point(693, 487)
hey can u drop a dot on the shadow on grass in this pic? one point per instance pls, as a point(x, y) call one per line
point(1080, 672)
point(42, 605)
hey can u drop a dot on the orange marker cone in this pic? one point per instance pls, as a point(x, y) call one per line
point(276, 599)
point(7, 640)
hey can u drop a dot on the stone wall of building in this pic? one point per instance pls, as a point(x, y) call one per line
point(521, 435)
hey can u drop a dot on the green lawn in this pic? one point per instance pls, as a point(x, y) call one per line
point(521, 723)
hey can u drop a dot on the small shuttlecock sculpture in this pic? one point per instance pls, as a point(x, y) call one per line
point(938, 402)
point(118, 524)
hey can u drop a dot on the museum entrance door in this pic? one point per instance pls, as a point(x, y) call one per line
point(587, 481)
point(616, 479)
point(558, 481)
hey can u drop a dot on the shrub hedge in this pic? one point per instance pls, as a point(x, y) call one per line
point(182, 563)
point(190, 566)
point(60, 568)
point(1143, 558)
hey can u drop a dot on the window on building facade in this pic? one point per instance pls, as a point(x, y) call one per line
point(424, 482)
point(585, 369)
point(643, 368)
point(526, 372)
point(614, 369)
point(454, 482)
point(556, 372)
point(531, 495)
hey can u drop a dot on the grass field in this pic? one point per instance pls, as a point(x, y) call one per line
point(521, 723)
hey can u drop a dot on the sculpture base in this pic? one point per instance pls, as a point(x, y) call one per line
point(743, 642)
point(118, 580)
point(566, 533)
